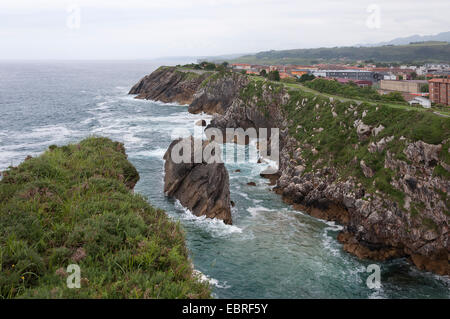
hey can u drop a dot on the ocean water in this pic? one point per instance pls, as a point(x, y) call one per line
point(271, 250)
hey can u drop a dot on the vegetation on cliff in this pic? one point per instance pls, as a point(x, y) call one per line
point(352, 90)
point(337, 142)
point(74, 205)
point(379, 168)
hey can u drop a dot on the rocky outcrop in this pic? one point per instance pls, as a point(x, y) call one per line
point(377, 226)
point(202, 187)
point(384, 188)
point(204, 91)
point(167, 84)
point(217, 93)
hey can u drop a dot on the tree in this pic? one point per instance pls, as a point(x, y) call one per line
point(244, 72)
point(274, 75)
point(221, 68)
point(306, 77)
point(208, 66)
point(225, 64)
point(263, 73)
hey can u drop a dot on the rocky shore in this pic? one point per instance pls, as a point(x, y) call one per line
point(381, 172)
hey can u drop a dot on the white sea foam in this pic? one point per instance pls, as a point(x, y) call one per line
point(211, 281)
point(255, 211)
point(168, 104)
point(57, 131)
point(214, 226)
point(158, 152)
point(333, 226)
point(329, 242)
point(102, 105)
point(377, 294)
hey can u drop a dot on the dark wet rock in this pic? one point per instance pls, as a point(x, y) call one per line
point(209, 92)
point(202, 187)
point(200, 123)
point(168, 85)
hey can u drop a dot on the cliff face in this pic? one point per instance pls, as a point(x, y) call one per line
point(364, 166)
point(167, 84)
point(380, 171)
point(201, 187)
point(204, 91)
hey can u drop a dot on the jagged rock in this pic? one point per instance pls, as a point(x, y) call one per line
point(299, 169)
point(201, 187)
point(380, 145)
point(217, 95)
point(193, 87)
point(166, 84)
point(362, 130)
point(251, 184)
point(200, 123)
point(421, 152)
point(368, 172)
point(377, 130)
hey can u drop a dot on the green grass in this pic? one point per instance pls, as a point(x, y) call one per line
point(351, 90)
point(78, 198)
point(338, 144)
point(401, 106)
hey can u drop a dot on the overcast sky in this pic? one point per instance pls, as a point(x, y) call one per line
point(145, 29)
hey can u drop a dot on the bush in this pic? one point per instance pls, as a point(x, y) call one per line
point(306, 78)
point(352, 90)
point(274, 75)
point(208, 66)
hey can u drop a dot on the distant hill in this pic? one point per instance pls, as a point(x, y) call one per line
point(422, 52)
point(443, 37)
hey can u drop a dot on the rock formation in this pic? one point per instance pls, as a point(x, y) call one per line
point(385, 181)
point(209, 92)
point(202, 187)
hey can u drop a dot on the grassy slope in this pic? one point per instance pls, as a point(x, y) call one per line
point(403, 106)
point(74, 201)
point(425, 52)
point(336, 143)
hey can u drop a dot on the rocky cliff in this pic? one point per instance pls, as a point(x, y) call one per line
point(381, 171)
point(202, 187)
point(204, 91)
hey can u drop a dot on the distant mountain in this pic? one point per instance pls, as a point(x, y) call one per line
point(443, 36)
point(423, 52)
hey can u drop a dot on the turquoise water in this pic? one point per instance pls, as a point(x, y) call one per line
point(271, 251)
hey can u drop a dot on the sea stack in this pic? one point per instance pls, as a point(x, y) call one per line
point(202, 187)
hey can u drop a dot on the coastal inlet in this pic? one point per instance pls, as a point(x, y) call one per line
point(270, 251)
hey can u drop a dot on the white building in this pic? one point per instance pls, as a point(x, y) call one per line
point(418, 100)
